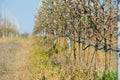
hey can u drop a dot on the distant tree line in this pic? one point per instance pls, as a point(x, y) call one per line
point(8, 29)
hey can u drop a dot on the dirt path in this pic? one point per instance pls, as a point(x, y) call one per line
point(14, 60)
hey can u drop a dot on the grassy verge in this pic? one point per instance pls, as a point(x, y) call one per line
point(54, 63)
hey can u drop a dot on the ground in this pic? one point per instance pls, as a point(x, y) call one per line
point(14, 54)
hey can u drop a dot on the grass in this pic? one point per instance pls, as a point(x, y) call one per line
point(14, 53)
point(54, 63)
point(38, 58)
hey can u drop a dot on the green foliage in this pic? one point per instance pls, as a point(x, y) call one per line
point(109, 75)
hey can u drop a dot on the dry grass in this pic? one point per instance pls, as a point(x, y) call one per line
point(57, 64)
point(36, 59)
point(15, 59)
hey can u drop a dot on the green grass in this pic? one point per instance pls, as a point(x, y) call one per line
point(109, 75)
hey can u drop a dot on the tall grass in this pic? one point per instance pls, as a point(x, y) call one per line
point(55, 63)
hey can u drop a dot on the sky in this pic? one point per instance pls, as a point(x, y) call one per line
point(24, 11)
